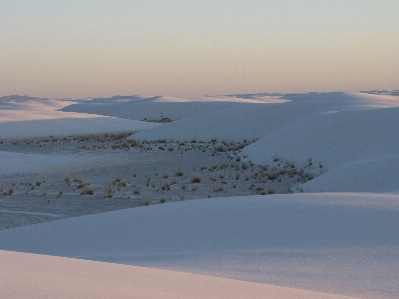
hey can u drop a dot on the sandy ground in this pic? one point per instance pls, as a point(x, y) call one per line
point(59, 177)
point(27, 275)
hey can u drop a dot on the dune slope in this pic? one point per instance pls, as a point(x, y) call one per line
point(28, 276)
point(334, 243)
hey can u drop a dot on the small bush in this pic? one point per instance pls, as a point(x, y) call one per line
point(78, 180)
point(165, 186)
point(196, 178)
point(218, 189)
point(219, 149)
point(108, 193)
point(87, 190)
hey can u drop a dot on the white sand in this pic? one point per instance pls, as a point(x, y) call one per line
point(339, 243)
point(25, 275)
point(40, 118)
point(334, 243)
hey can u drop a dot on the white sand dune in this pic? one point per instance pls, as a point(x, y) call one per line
point(357, 143)
point(380, 175)
point(332, 243)
point(26, 276)
point(39, 118)
point(256, 121)
point(354, 135)
point(155, 108)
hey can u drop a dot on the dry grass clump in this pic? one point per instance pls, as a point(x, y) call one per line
point(119, 182)
point(87, 190)
point(196, 178)
point(109, 193)
point(8, 192)
point(218, 189)
point(179, 172)
point(165, 186)
point(136, 191)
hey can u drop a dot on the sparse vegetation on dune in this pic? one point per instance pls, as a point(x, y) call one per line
point(184, 170)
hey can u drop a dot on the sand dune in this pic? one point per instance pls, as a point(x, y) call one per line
point(156, 108)
point(27, 276)
point(340, 243)
point(358, 145)
point(330, 237)
point(39, 118)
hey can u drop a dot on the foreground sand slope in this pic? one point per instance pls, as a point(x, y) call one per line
point(25, 276)
point(344, 244)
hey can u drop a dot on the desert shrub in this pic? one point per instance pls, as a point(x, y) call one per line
point(119, 182)
point(78, 180)
point(309, 162)
point(8, 192)
point(196, 178)
point(219, 149)
point(273, 175)
point(134, 143)
point(165, 186)
point(276, 158)
point(108, 193)
point(87, 190)
point(218, 189)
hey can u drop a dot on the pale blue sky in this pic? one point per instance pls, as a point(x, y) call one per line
point(70, 48)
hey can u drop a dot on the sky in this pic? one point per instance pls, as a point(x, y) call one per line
point(90, 48)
